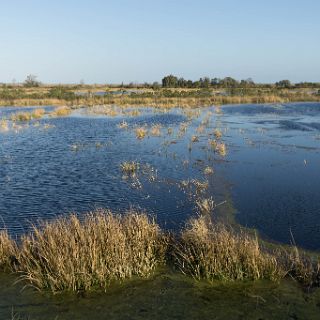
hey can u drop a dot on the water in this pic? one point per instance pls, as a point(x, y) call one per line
point(270, 175)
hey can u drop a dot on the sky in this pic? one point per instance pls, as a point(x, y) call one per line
point(114, 41)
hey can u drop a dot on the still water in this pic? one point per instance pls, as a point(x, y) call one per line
point(270, 176)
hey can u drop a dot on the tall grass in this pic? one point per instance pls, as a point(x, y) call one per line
point(8, 251)
point(69, 254)
point(83, 254)
point(213, 251)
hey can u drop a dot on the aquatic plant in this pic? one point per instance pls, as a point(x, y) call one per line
point(212, 251)
point(205, 205)
point(156, 130)
point(208, 170)
point(221, 149)
point(62, 111)
point(217, 133)
point(4, 125)
point(37, 113)
point(213, 144)
point(141, 132)
point(129, 167)
point(123, 125)
point(194, 139)
point(21, 116)
point(72, 254)
point(200, 185)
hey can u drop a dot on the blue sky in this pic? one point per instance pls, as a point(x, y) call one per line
point(113, 41)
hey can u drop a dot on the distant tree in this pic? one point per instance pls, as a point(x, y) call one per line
point(155, 85)
point(229, 82)
point(31, 81)
point(283, 84)
point(170, 81)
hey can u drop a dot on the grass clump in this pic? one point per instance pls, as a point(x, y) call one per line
point(217, 133)
point(213, 251)
point(62, 111)
point(221, 149)
point(8, 251)
point(141, 132)
point(38, 113)
point(21, 116)
point(4, 125)
point(156, 130)
point(69, 254)
point(205, 206)
point(129, 167)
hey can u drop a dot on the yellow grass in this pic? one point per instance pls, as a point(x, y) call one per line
point(141, 132)
point(62, 111)
point(213, 251)
point(69, 254)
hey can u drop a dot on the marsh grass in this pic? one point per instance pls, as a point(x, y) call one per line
point(123, 125)
point(213, 251)
point(69, 254)
point(156, 130)
point(4, 126)
point(221, 149)
point(129, 167)
point(62, 111)
point(141, 132)
point(21, 116)
point(89, 253)
point(217, 133)
point(205, 205)
point(8, 251)
point(38, 113)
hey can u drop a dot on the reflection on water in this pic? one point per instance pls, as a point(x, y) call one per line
point(270, 173)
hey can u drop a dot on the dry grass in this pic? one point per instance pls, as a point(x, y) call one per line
point(73, 254)
point(21, 116)
point(38, 113)
point(194, 139)
point(217, 133)
point(141, 132)
point(129, 167)
point(69, 254)
point(205, 206)
point(62, 111)
point(4, 126)
point(213, 251)
point(221, 149)
point(8, 250)
point(208, 170)
point(123, 125)
point(156, 130)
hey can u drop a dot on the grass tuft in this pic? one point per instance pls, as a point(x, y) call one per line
point(213, 251)
point(69, 254)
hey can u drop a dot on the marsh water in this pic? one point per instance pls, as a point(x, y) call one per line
point(269, 178)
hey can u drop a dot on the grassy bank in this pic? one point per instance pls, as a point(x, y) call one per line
point(148, 97)
point(69, 254)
